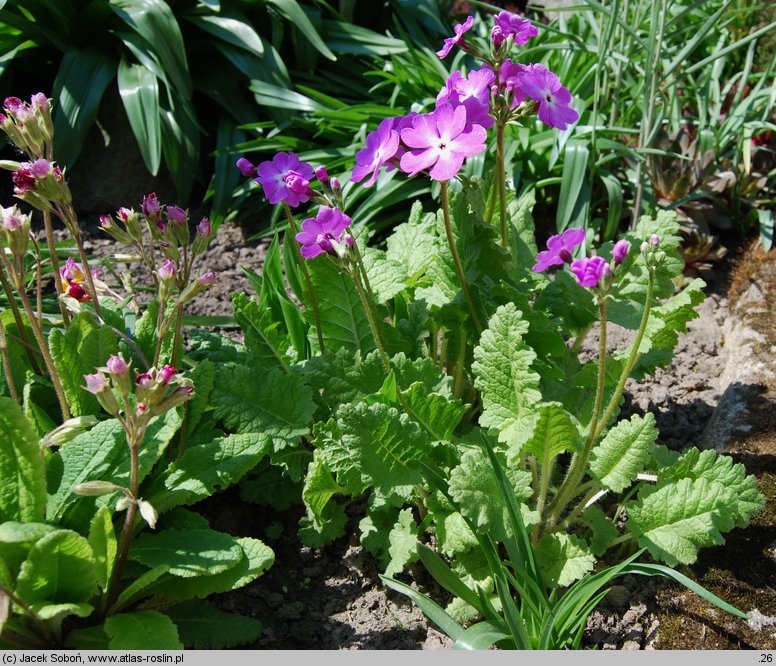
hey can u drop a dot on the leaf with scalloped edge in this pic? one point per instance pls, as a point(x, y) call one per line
point(404, 543)
point(563, 558)
point(553, 434)
point(624, 452)
point(508, 384)
point(673, 522)
point(142, 630)
point(203, 626)
point(386, 276)
point(695, 464)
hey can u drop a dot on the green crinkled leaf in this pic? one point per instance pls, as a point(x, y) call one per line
point(410, 371)
point(673, 522)
point(342, 376)
point(319, 487)
point(474, 488)
point(553, 434)
point(55, 613)
point(602, 530)
point(452, 532)
point(265, 338)
point(139, 587)
point(206, 469)
point(437, 415)
point(217, 348)
point(145, 333)
point(413, 244)
point(257, 558)
point(203, 626)
point(375, 529)
point(203, 378)
point(563, 558)
point(272, 402)
point(519, 214)
point(404, 543)
point(187, 553)
point(329, 526)
point(563, 299)
point(143, 630)
point(270, 487)
point(22, 470)
point(102, 539)
point(18, 361)
point(344, 320)
point(624, 452)
point(386, 276)
point(695, 464)
point(59, 569)
point(77, 351)
point(102, 454)
point(374, 446)
point(508, 384)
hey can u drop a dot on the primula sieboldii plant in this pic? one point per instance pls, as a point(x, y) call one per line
point(441, 377)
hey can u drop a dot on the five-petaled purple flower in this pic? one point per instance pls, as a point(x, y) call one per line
point(440, 141)
point(541, 85)
point(320, 232)
point(450, 42)
point(508, 24)
point(286, 178)
point(381, 146)
point(473, 93)
point(559, 249)
point(590, 271)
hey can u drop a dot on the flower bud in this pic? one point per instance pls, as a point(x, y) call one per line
point(97, 384)
point(206, 279)
point(122, 504)
point(654, 239)
point(130, 219)
point(114, 231)
point(150, 207)
point(68, 430)
point(167, 270)
point(119, 374)
point(96, 488)
point(644, 247)
point(148, 513)
point(322, 175)
point(197, 287)
point(167, 373)
point(176, 214)
point(620, 251)
point(247, 169)
point(203, 237)
point(335, 184)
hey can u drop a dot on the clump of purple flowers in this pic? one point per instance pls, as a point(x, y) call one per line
point(560, 249)
point(323, 233)
point(284, 178)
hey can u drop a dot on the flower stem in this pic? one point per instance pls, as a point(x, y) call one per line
point(7, 364)
point(370, 318)
point(502, 181)
point(460, 364)
point(37, 331)
point(29, 348)
point(456, 259)
point(308, 282)
point(88, 272)
point(52, 248)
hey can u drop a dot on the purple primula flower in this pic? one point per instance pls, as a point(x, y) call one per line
point(381, 146)
point(318, 233)
point(540, 84)
point(508, 24)
point(472, 92)
point(476, 85)
point(286, 178)
point(590, 271)
point(620, 251)
point(559, 249)
point(96, 383)
point(440, 141)
point(457, 39)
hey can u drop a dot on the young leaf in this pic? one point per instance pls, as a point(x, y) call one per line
point(624, 452)
point(272, 403)
point(554, 433)
point(386, 276)
point(413, 244)
point(676, 520)
point(187, 553)
point(143, 630)
point(264, 338)
point(22, 470)
point(563, 558)
point(319, 488)
point(404, 543)
point(437, 415)
point(502, 366)
point(102, 539)
point(83, 347)
point(203, 626)
point(16, 540)
point(59, 569)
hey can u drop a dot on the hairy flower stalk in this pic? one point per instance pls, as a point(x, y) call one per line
point(457, 259)
point(308, 282)
point(502, 180)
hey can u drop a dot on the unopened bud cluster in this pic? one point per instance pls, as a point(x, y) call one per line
point(653, 255)
point(150, 394)
point(29, 125)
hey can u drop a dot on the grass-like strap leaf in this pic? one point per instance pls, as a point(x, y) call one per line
point(292, 10)
point(232, 27)
point(22, 470)
point(443, 575)
point(139, 90)
point(81, 81)
point(143, 630)
point(430, 608)
point(480, 636)
point(155, 22)
point(203, 626)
